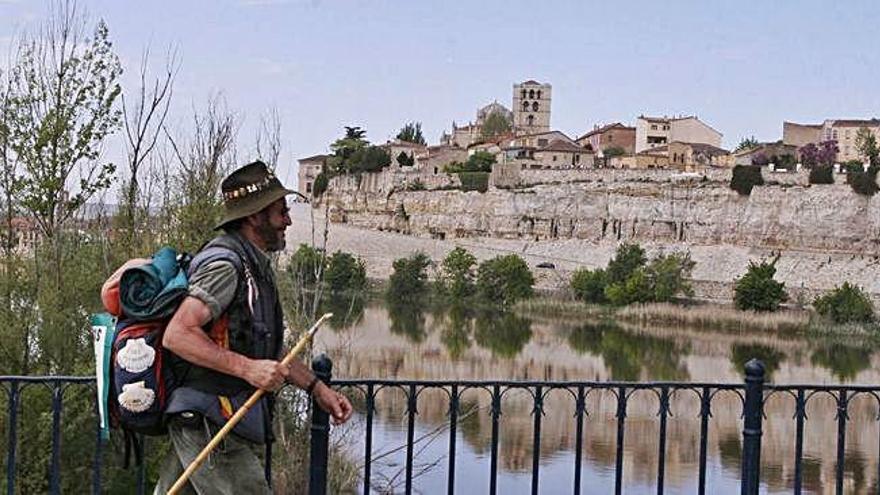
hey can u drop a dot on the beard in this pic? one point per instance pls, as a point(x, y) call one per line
point(271, 237)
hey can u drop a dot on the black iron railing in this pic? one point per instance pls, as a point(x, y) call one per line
point(752, 395)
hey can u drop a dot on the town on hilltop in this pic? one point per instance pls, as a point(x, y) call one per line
point(521, 138)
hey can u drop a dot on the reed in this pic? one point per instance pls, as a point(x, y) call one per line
point(714, 317)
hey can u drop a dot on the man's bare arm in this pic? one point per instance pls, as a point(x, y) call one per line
point(185, 337)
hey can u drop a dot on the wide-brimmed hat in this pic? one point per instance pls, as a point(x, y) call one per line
point(248, 190)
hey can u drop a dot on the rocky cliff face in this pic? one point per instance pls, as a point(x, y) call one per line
point(821, 231)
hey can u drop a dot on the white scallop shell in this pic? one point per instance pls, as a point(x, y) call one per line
point(135, 397)
point(136, 356)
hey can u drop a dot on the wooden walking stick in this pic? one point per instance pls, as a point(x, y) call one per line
point(194, 465)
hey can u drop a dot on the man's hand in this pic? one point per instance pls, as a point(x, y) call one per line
point(336, 404)
point(266, 374)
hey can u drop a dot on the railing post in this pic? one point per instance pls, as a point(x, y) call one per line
point(320, 438)
point(752, 416)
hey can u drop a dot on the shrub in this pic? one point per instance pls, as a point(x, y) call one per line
point(846, 304)
point(627, 259)
point(320, 185)
point(457, 274)
point(822, 174)
point(345, 273)
point(757, 290)
point(635, 289)
point(853, 166)
point(306, 265)
point(474, 181)
point(504, 280)
point(415, 185)
point(409, 280)
point(589, 285)
point(744, 178)
point(669, 275)
point(369, 159)
point(863, 183)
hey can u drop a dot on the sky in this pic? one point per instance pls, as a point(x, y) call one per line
point(743, 67)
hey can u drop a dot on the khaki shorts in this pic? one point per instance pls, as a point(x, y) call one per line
point(235, 467)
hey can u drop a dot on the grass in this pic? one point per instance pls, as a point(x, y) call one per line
point(715, 317)
point(553, 307)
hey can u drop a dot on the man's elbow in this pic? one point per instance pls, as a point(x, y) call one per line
point(171, 338)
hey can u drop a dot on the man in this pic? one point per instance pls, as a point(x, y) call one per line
point(226, 339)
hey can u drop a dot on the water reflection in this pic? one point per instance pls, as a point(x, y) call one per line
point(504, 333)
point(408, 319)
point(844, 361)
point(740, 354)
point(347, 309)
point(630, 355)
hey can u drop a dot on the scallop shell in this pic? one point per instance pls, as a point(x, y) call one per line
point(136, 356)
point(135, 397)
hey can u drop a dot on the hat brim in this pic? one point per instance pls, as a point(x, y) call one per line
point(255, 206)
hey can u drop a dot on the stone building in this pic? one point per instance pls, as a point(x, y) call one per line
point(562, 154)
point(660, 131)
point(769, 150)
point(466, 135)
point(395, 147)
point(693, 157)
point(841, 130)
point(432, 160)
point(614, 135)
point(531, 107)
point(309, 168)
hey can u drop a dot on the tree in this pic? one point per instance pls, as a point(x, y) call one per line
point(369, 159)
point(343, 148)
point(627, 259)
point(635, 289)
point(613, 151)
point(320, 185)
point(345, 273)
point(845, 304)
point(864, 183)
point(589, 285)
point(495, 124)
point(747, 143)
point(268, 139)
point(821, 174)
point(409, 280)
point(306, 266)
point(405, 160)
point(744, 178)
point(412, 133)
point(823, 155)
point(144, 112)
point(668, 275)
point(757, 290)
point(866, 143)
point(503, 280)
point(457, 273)
point(62, 104)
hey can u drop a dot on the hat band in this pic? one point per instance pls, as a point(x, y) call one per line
point(249, 189)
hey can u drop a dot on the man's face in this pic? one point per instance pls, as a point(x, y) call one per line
point(271, 224)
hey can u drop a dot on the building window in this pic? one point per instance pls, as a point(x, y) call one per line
point(653, 127)
point(525, 106)
point(535, 106)
point(554, 158)
point(308, 187)
point(530, 119)
point(539, 94)
point(541, 142)
point(532, 94)
point(523, 94)
point(665, 127)
point(435, 170)
point(834, 134)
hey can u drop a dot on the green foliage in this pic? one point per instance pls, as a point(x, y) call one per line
point(474, 181)
point(747, 143)
point(613, 151)
point(866, 143)
point(496, 123)
point(344, 148)
point(322, 181)
point(409, 279)
point(668, 276)
point(864, 183)
point(744, 178)
point(844, 361)
point(345, 273)
point(408, 318)
point(589, 285)
point(412, 133)
point(405, 160)
point(306, 266)
point(822, 174)
point(627, 259)
point(845, 304)
point(479, 161)
point(740, 354)
point(457, 274)
point(368, 159)
point(503, 280)
point(757, 290)
point(504, 333)
point(635, 289)
point(852, 166)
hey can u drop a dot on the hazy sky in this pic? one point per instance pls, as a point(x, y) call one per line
point(743, 67)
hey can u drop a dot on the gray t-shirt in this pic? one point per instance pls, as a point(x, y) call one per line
point(214, 284)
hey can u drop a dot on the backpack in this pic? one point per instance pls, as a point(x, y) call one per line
point(139, 381)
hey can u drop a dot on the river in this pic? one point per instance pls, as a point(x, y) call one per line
point(386, 342)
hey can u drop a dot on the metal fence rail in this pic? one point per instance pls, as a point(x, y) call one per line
point(752, 395)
